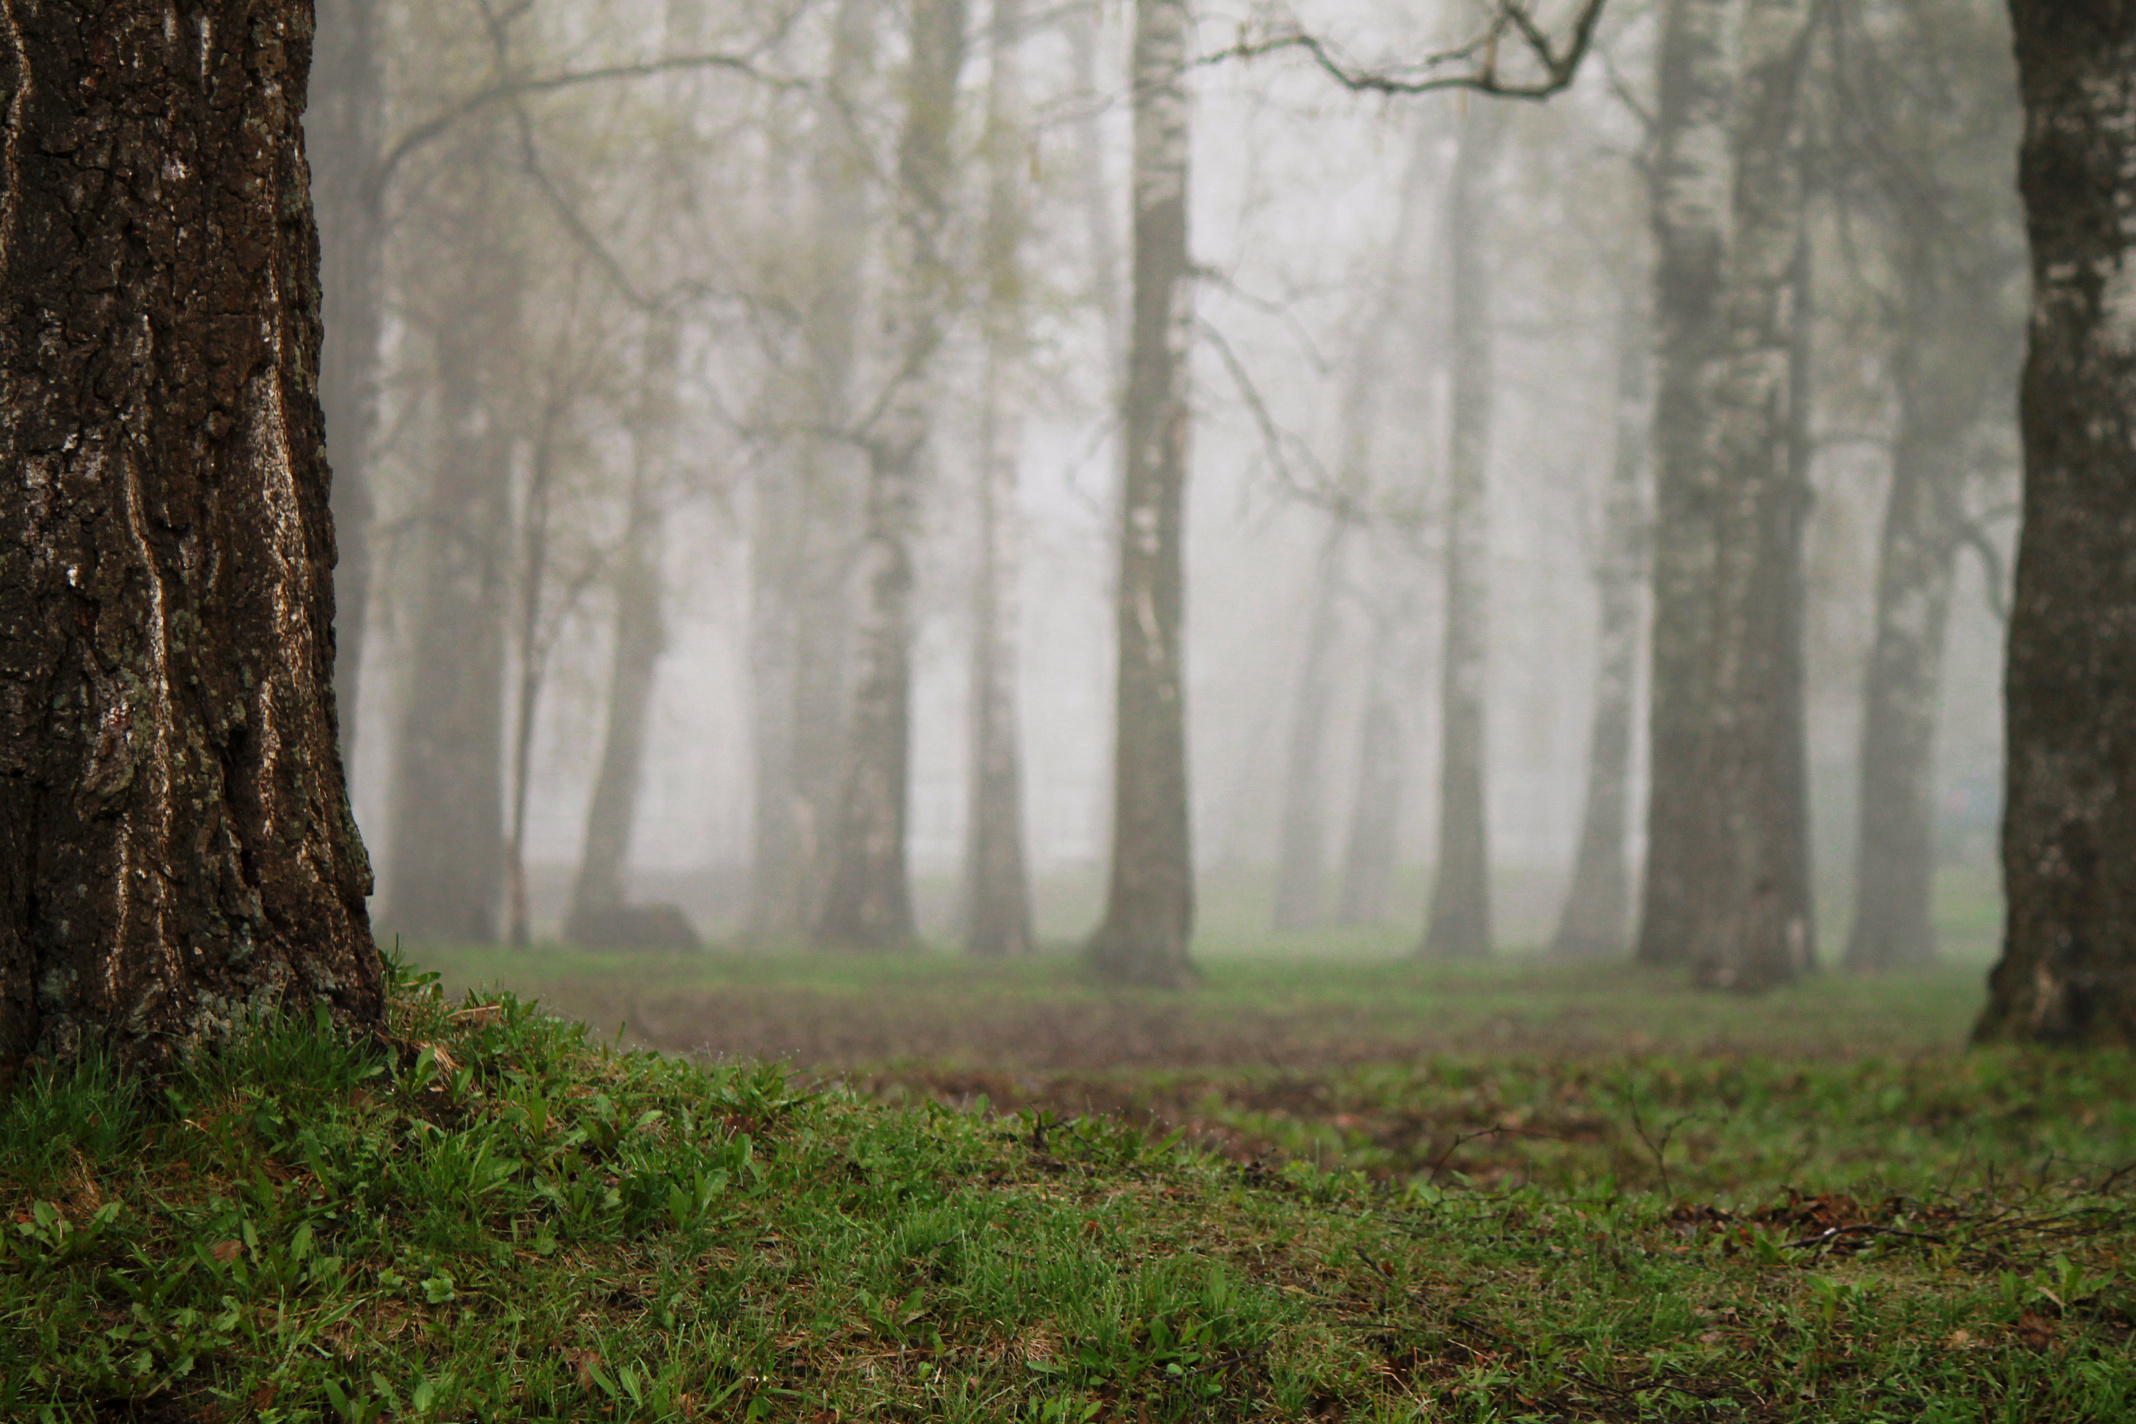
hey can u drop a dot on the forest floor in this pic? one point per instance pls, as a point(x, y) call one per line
point(1348, 1187)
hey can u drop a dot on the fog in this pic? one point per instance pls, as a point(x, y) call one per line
point(619, 244)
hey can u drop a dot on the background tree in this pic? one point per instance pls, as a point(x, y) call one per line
point(175, 839)
point(1149, 911)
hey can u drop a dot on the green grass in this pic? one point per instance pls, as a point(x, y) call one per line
point(490, 1215)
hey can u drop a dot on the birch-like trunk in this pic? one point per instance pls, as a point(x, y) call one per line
point(1301, 852)
point(2068, 967)
point(342, 130)
point(1594, 921)
point(1690, 206)
point(176, 848)
point(1751, 921)
point(1149, 912)
point(805, 531)
point(1459, 926)
point(868, 903)
point(997, 894)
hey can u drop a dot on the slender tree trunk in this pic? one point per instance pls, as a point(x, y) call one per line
point(1375, 816)
point(1941, 364)
point(1301, 855)
point(1690, 215)
point(598, 898)
point(1460, 922)
point(1593, 924)
point(342, 129)
point(1149, 913)
point(533, 660)
point(175, 839)
point(1751, 921)
point(997, 918)
point(869, 901)
point(2068, 968)
point(803, 542)
point(448, 844)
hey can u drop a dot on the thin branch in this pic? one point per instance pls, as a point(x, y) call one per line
point(1513, 20)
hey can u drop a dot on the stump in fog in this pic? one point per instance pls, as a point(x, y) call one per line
point(175, 840)
point(2068, 968)
point(1149, 910)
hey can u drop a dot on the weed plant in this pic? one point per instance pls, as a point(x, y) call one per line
point(487, 1214)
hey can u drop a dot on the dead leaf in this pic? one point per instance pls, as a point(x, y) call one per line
point(478, 1015)
point(265, 1394)
point(585, 1362)
point(2035, 1330)
point(226, 1251)
point(1959, 1340)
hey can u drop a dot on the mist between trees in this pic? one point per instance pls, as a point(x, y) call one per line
point(783, 450)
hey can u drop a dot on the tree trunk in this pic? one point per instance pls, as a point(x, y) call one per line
point(997, 917)
point(598, 900)
point(1690, 212)
point(868, 904)
point(448, 844)
point(1375, 816)
point(1301, 856)
point(1751, 920)
point(1593, 924)
point(2068, 968)
point(1149, 912)
point(804, 537)
point(175, 839)
point(1460, 922)
point(533, 661)
point(341, 132)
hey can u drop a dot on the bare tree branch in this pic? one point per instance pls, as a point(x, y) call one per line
point(1478, 62)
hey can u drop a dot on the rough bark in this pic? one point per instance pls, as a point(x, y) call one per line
point(448, 843)
point(2068, 967)
point(997, 904)
point(342, 130)
point(868, 904)
point(1301, 852)
point(1690, 216)
point(175, 840)
point(1750, 919)
point(1149, 912)
point(1459, 926)
point(1594, 921)
point(805, 531)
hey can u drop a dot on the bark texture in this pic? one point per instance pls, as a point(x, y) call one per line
point(1593, 923)
point(868, 903)
point(342, 131)
point(1459, 926)
point(805, 532)
point(1690, 220)
point(2068, 967)
point(175, 839)
point(1750, 912)
point(1149, 911)
point(997, 904)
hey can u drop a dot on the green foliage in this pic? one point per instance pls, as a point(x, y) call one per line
point(488, 1215)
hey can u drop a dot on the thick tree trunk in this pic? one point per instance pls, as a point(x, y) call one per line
point(1149, 912)
point(1459, 926)
point(1750, 914)
point(868, 904)
point(175, 840)
point(448, 845)
point(342, 132)
point(1375, 816)
point(805, 533)
point(2068, 968)
point(997, 904)
point(1593, 924)
point(1690, 215)
point(1301, 853)
point(1940, 375)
